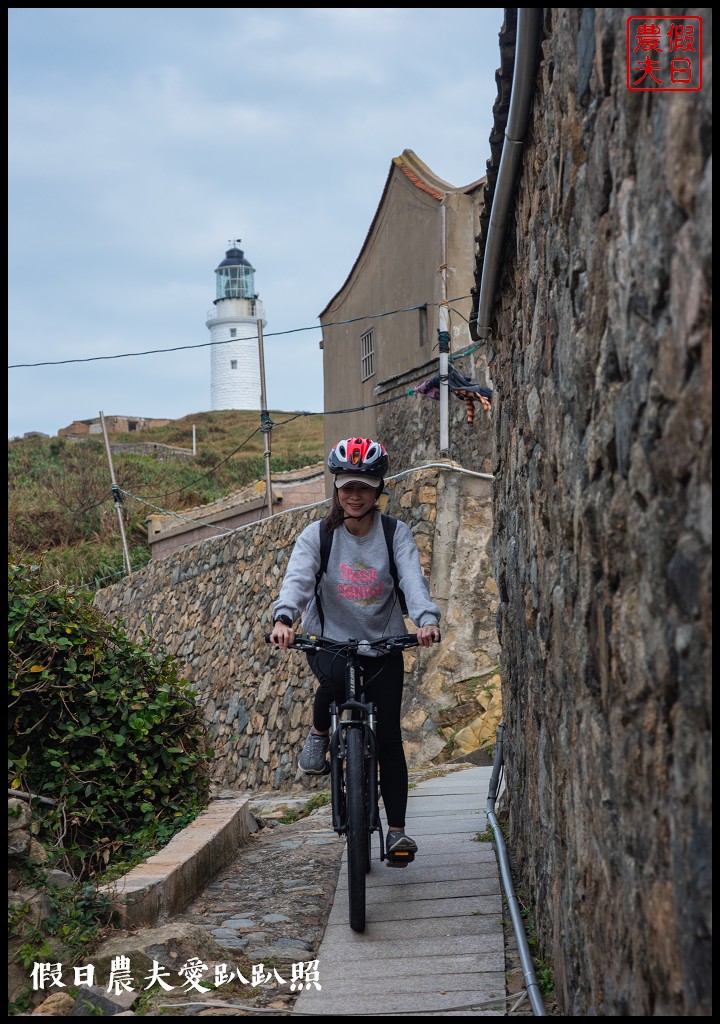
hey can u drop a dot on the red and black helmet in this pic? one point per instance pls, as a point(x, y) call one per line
point(359, 455)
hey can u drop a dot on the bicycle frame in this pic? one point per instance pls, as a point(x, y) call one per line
point(356, 712)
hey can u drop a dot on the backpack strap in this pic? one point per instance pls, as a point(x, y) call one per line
point(326, 539)
point(389, 524)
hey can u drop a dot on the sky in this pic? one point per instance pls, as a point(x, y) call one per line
point(143, 141)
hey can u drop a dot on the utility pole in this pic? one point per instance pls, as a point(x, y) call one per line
point(444, 337)
point(117, 497)
point(444, 346)
point(265, 424)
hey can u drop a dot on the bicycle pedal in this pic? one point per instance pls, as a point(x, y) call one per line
point(401, 859)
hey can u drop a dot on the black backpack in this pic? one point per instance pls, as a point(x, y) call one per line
point(326, 539)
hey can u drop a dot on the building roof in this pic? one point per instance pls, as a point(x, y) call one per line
point(235, 502)
point(412, 167)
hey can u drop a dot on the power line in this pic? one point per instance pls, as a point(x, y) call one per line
point(227, 341)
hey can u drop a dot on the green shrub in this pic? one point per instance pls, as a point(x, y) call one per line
point(105, 727)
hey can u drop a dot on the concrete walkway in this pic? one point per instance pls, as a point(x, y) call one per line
point(433, 943)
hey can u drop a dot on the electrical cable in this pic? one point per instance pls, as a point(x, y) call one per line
point(228, 341)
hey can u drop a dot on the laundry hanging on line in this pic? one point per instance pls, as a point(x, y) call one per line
point(460, 386)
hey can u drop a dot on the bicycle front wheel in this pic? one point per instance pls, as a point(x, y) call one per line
point(371, 786)
point(357, 827)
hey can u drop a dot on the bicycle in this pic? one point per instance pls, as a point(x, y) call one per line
point(353, 767)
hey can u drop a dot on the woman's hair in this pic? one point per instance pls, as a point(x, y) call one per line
point(336, 515)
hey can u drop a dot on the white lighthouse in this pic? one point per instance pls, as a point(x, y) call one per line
point(232, 322)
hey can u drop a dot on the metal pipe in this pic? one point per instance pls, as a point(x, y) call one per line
point(528, 969)
point(526, 50)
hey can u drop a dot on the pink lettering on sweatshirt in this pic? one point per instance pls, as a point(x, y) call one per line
point(359, 575)
point(360, 584)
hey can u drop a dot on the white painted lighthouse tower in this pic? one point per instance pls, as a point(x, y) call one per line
point(232, 322)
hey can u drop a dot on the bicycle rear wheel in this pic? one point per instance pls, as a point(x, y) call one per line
point(357, 831)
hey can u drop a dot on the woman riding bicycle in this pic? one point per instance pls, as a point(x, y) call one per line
point(358, 599)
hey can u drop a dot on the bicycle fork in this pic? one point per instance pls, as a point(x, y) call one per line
point(337, 759)
point(341, 720)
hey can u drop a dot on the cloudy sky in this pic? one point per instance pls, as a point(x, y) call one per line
point(142, 141)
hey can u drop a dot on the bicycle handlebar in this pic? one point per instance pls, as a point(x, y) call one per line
point(308, 642)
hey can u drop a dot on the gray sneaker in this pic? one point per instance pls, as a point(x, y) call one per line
point(312, 759)
point(400, 850)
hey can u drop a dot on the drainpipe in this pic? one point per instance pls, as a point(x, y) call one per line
point(529, 23)
point(526, 52)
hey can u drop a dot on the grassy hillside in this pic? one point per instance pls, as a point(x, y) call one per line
point(60, 505)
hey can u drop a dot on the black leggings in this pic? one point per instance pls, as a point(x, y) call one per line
point(384, 686)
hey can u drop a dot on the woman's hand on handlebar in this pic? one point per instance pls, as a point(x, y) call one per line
point(428, 635)
point(282, 636)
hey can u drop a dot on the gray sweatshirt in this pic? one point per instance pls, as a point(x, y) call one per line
point(357, 592)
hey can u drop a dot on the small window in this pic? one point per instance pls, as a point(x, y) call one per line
point(233, 364)
point(233, 332)
point(367, 356)
point(423, 326)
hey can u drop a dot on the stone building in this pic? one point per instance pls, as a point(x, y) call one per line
point(413, 275)
point(114, 424)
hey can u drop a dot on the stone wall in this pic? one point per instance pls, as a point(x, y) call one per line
point(210, 606)
point(601, 359)
point(29, 902)
point(162, 452)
